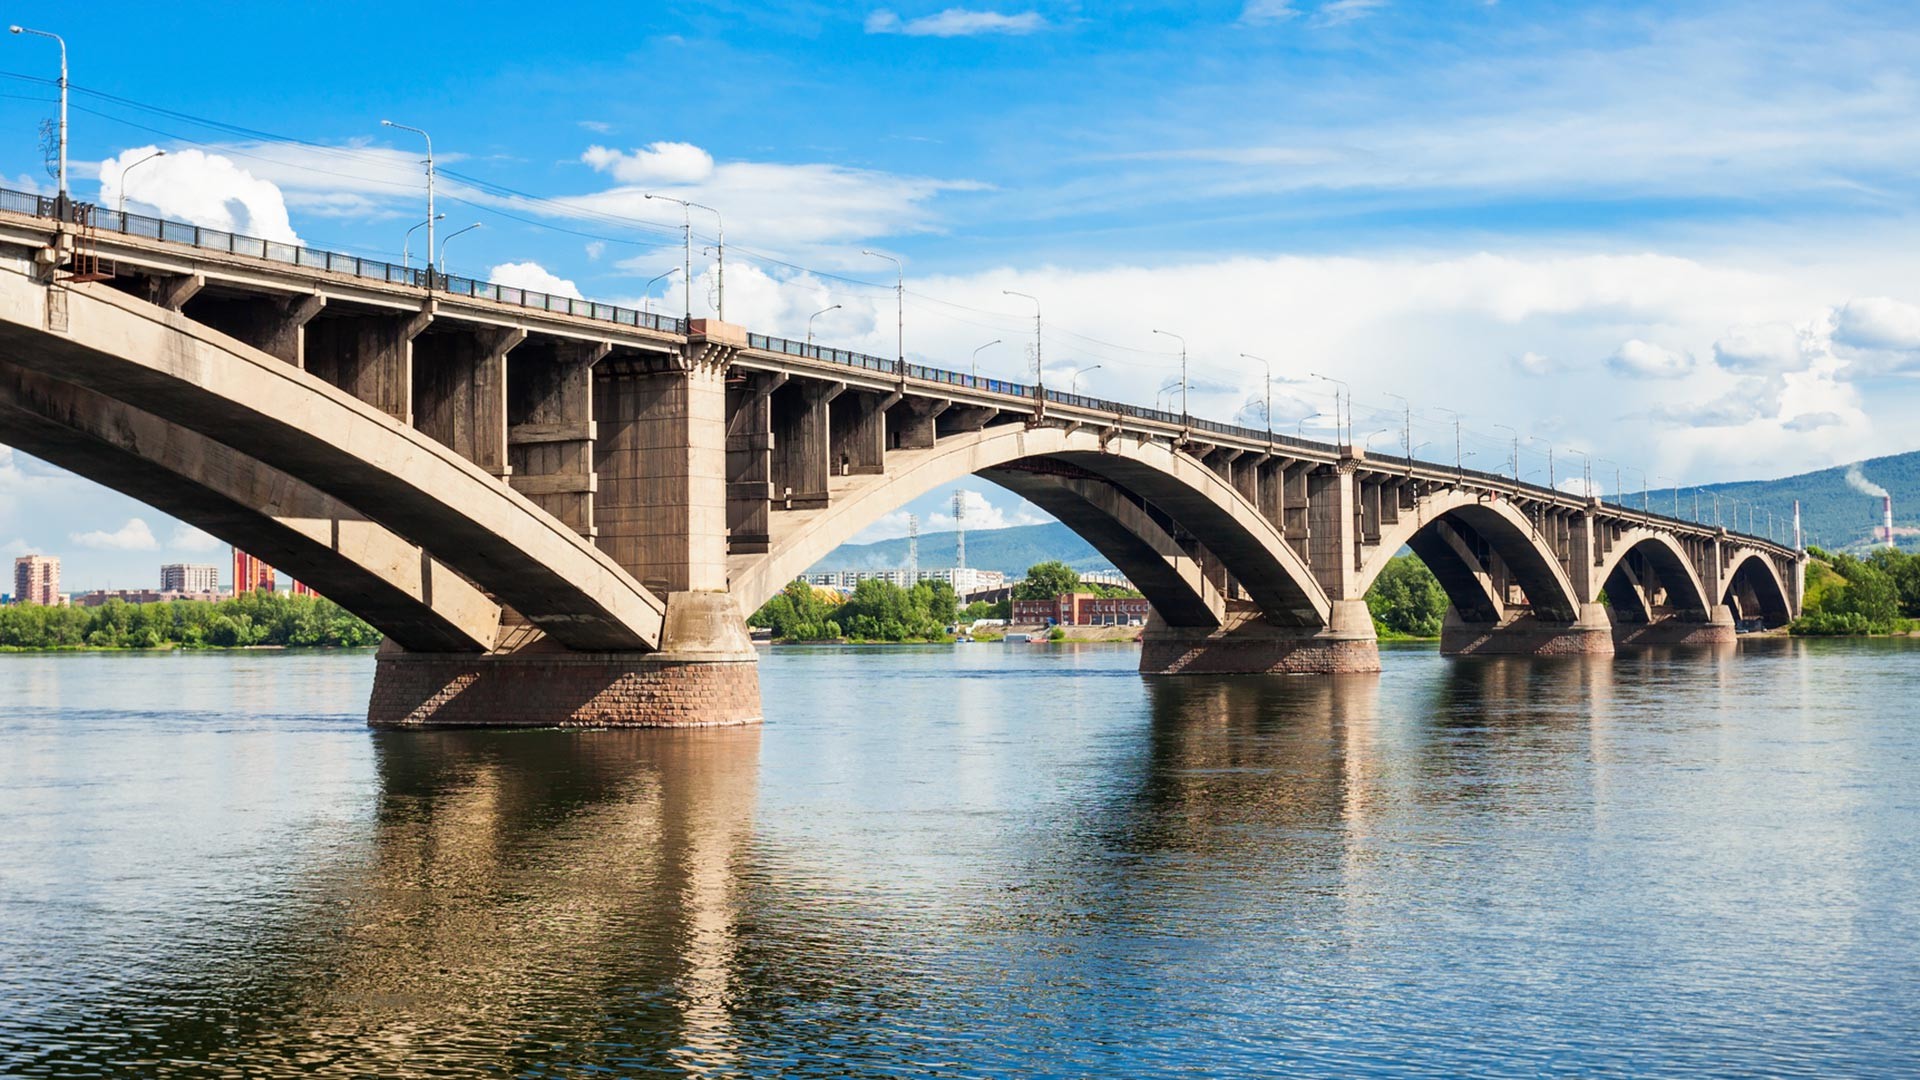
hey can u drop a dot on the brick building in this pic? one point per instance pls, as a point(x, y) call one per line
point(1083, 609)
point(189, 578)
point(36, 580)
point(250, 573)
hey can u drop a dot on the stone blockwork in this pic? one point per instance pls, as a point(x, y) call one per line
point(1589, 635)
point(1675, 630)
point(560, 689)
point(1247, 645)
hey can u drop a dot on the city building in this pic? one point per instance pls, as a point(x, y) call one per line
point(190, 578)
point(249, 573)
point(1083, 609)
point(97, 597)
point(301, 588)
point(36, 580)
point(964, 579)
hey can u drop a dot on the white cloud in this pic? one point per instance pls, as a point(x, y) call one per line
point(981, 515)
point(1815, 421)
point(955, 22)
point(1338, 12)
point(598, 127)
point(1636, 357)
point(531, 275)
point(188, 538)
point(15, 548)
point(659, 163)
point(133, 536)
point(1532, 363)
point(1580, 485)
point(1878, 322)
point(1268, 11)
point(596, 248)
point(1767, 348)
point(199, 188)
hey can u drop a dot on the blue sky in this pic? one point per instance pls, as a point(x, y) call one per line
point(1675, 236)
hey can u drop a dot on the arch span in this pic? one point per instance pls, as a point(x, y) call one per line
point(405, 594)
point(1505, 530)
point(1244, 541)
point(187, 374)
point(1686, 593)
point(1753, 588)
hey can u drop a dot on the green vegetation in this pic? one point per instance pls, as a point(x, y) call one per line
point(1406, 600)
point(877, 611)
point(1879, 594)
point(257, 618)
point(1056, 634)
point(982, 609)
point(1047, 580)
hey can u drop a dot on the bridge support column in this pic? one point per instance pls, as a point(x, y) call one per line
point(1246, 644)
point(706, 674)
point(1589, 633)
point(1716, 629)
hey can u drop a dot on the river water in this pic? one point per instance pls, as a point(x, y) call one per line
point(981, 860)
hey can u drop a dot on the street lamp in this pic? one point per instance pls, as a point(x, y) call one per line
point(1267, 389)
point(448, 238)
point(1549, 446)
point(899, 304)
point(720, 253)
point(123, 181)
point(814, 316)
point(1459, 459)
point(1166, 390)
point(1338, 384)
point(63, 102)
point(1183, 370)
point(1036, 330)
point(406, 245)
point(1646, 504)
point(1073, 380)
point(1406, 439)
point(431, 217)
point(976, 356)
point(1516, 450)
point(1369, 442)
point(1586, 472)
point(646, 294)
point(1676, 493)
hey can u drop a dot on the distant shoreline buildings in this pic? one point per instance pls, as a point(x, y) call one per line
point(964, 579)
point(36, 580)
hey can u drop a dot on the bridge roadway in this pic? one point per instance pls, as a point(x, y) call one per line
point(558, 511)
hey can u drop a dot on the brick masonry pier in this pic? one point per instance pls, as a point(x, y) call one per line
point(1589, 635)
point(1250, 646)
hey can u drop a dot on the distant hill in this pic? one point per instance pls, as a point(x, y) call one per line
point(1833, 514)
point(1009, 551)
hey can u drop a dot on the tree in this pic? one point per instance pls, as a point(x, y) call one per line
point(1047, 580)
point(1406, 600)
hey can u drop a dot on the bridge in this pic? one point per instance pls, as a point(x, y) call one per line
point(559, 511)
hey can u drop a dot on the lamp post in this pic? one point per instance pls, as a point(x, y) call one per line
point(1549, 446)
point(406, 245)
point(719, 248)
point(431, 217)
point(449, 239)
point(1586, 472)
point(1370, 437)
point(899, 304)
point(1183, 370)
point(1338, 384)
point(1266, 390)
point(123, 181)
point(1675, 484)
point(1036, 329)
point(62, 42)
point(1646, 505)
point(815, 315)
point(976, 356)
point(1406, 419)
point(1515, 459)
point(1459, 459)
point(1073, 380)
point(646, 302)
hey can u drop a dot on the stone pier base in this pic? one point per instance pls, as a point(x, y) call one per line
point(1718, 629)
point(1248, 645)
point(708, 674)
point(1589, 635)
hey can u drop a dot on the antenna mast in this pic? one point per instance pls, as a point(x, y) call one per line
point(959, 529)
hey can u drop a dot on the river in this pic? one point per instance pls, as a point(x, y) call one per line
point(981, 860)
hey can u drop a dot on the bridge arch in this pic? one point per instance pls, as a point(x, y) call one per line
point(1753, 588)
point(190, 375)
point(1442, 529)
point(1115, 479)
point(1686, 593)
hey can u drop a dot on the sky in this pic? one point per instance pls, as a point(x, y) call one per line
point(1674, 238)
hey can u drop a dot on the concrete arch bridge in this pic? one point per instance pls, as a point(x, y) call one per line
point(558, 511)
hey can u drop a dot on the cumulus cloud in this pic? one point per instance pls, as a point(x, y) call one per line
point(1532, 363)
point(133, 536)
point(981, 514)
point(203, 189)
point(188, 538)
point(1767, 348)
point(1877, 322)
point(955, 22)
point(1815, 421)
point(531, 275)
point(656, 163)
point(1636, 357)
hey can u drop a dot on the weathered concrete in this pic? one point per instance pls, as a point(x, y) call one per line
point(1591, 634)
point(1718, 629)
point(1248, 645)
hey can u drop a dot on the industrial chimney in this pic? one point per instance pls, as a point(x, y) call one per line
point(1886, 503)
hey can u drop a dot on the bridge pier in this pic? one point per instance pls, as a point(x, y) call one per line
point(1246, 644)
point(705, 675)
point(1716, 629)
point(1589, 634)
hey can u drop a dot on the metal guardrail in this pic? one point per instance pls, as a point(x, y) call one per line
point(140, 225)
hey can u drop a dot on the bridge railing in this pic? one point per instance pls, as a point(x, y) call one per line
point(210, 239)
point(102, 219)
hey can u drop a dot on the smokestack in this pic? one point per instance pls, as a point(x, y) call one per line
point(1799, 544)
point(1886, 503)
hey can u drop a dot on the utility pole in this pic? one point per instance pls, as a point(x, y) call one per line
point(959, 529)
point(430, 218)
point(1514, 459)
point(899, 305)
point(1268, 387)
point(1183, 371)
point(62, 174)
point(719, 249)
point(1036, 330)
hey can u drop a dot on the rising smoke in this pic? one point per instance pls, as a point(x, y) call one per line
point(1858, 482)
